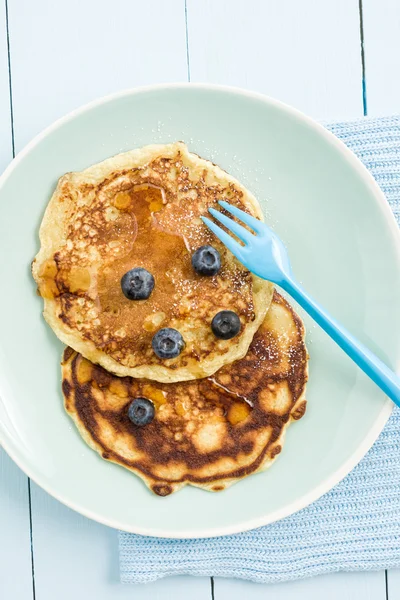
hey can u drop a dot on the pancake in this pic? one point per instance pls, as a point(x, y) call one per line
point(207, 433)
point(142, 209)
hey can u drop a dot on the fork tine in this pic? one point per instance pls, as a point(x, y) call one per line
point(234, 227)
point(252, 222)
point(225, 238)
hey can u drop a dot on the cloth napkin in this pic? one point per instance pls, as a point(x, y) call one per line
point(356, 526)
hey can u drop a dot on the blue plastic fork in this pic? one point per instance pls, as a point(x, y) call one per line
point(264, 254)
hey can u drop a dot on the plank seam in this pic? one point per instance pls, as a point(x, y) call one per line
point(13, 155)
point(31, 540)
point(187, 42)
point(10, 80)
point(364, 80)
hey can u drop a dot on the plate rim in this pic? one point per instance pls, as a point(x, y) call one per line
point(328, 483)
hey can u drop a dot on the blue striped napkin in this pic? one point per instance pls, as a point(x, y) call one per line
point(356, 526)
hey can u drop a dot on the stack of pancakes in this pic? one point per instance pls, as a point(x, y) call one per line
point(221, 407)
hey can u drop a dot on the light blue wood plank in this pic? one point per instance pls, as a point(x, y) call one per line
point(393, 584)
point(67, 53)
point(343, 586)
point(78, 558)
point(382, 55)
point(305, 53)
point(15, 551)
point(5, 116)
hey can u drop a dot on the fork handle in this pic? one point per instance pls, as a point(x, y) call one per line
point(384, 377)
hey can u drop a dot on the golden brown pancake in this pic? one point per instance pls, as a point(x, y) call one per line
point(208, 433)
point(142, 209)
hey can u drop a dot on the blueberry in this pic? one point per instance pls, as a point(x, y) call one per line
point(225, 324)
point(137, 284)
point(168, 343)
point(206, 261)
point(141, 411)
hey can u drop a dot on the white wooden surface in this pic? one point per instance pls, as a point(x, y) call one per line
point(382, 55)
point(67, 52)
point(305, 53)
point(78, 558)
point(5, 114)
point(394, 584)
point(343, 586)
point(15, 550)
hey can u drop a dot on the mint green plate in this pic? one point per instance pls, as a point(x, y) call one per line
point(345, 249)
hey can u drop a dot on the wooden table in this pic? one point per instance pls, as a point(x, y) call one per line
point(333, 59)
